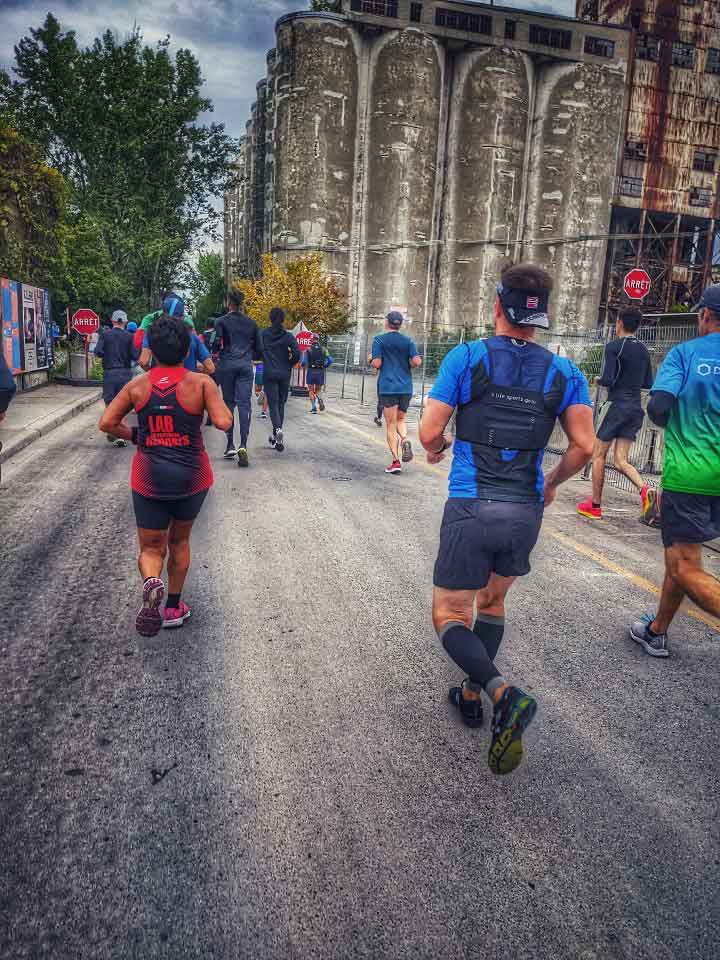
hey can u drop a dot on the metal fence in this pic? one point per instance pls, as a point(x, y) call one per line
point(351, 377)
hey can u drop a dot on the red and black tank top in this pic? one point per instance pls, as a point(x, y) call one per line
point(171, 462)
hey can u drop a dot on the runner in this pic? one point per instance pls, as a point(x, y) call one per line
point(171, 472)
point(116, 350)
point(394, 356)
point(508, 392)
point(259, 391)
point(239, 342)
point(317, 360)
point(685, 399)
point(626, 370)
point(198, 354)
point(281, 353)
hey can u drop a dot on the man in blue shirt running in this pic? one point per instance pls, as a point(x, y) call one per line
point(508, 392)
point(394, 355)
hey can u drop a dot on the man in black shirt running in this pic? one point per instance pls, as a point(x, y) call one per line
point(119, 355)
point(627, 369)
point(238, 344)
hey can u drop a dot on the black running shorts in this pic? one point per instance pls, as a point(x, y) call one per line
point(399, 400)
point(619, 420)
point(157, 514)
point(113, 382)
point(688, 518)
point(480, 537)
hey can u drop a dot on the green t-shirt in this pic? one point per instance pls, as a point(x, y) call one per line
point(691, 373)
point(148, 319)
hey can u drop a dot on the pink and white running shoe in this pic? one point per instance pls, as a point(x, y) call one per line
point(175, 616)
point(149, 621)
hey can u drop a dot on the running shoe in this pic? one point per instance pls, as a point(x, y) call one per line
point(407, 453)
point(471, 711)
point(149, 621)
point(394, 467)
point(271, 441)
point(654, 644)
point(511, 718)
point(175, 616)
point(586, 509)
point(321, 404)
point(650, 499)
point(243, 457)
point(263, 416)
point(377, 421)
point(279, 445)
point(230, 452)
point(119, 442)
point(313, 409)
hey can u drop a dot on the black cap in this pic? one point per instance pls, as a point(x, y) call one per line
point(709, 299)
point(395, 319)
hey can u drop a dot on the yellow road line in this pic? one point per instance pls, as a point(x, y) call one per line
point(640, 582)
point(628, 575)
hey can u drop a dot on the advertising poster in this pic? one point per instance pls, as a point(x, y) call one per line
point(10, 321)
point(36, 332)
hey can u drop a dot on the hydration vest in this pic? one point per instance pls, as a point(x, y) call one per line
point(316, 358)
point(510, 416)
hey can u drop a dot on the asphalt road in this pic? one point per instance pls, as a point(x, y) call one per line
point(283, 777)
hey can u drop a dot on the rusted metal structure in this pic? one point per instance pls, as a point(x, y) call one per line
point(667, 204)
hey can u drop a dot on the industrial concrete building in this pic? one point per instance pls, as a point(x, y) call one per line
point(422, 145)
point(666, 200)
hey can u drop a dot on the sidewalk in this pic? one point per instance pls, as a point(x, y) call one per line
point(34, 413)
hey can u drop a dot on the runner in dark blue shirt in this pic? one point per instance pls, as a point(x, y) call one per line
point(508, 393)
point(394, 355)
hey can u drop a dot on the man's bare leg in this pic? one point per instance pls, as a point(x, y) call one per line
point(391, 424)
point(685, 576)
point(598, 468)
point(620, 460)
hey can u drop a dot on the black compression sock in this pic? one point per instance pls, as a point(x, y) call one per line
point(173, 601)
point(489, 630)
point(470, 655)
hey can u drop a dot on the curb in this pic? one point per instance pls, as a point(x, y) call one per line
point(54, 420)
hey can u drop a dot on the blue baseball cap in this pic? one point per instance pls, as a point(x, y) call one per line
point(132, 326)
point(174, 306)
point(395, 318)
point(709, 299)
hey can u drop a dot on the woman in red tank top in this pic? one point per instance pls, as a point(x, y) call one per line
point(171, 472)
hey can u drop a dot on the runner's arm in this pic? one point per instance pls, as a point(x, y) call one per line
point(608, 372)
point(376, 353)
point(577, 422)
point(208, 366)
point(432, 429)
point(670, 380)
point(215, 406)
point(660, 407)
point(415, 358)
point(112, 420)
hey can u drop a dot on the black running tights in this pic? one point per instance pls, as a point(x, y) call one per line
point(276, 392)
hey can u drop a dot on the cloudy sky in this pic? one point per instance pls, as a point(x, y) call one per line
point(229, 37)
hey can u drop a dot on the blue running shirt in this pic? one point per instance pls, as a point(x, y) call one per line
point(482, 472)
point(396, 351)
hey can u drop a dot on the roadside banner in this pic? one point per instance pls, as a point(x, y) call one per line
point(10, 320)
point(36, 327)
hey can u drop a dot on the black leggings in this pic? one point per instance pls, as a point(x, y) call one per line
point(276, 392)
point(237, 388)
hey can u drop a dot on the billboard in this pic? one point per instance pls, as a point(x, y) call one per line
point(10, 323)
point(36, 331)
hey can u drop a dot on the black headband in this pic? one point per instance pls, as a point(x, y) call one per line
point(525, 308)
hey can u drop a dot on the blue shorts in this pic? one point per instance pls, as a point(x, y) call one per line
point(315, 378)
point(482, 537)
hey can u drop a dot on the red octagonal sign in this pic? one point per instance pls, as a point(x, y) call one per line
point(637, 284)
point(304, 339)
point(85, 321)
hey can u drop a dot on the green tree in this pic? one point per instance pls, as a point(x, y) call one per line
point(207, 287)
point(121, 122)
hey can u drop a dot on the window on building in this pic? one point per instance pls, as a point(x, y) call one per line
point(416, 12)
point(683, 55)
point(631, 186)
point(549, 37)
point(380, 8)
point(510, 29)
point(704, 161)
point(457, 20)
point(647, 47)
point(590, 10)
point(700, 197)
point(636, 150)
point(600, 47)
point(712, 64)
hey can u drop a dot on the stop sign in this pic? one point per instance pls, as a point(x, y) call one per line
point(86, 322)
point(304, 339)
point(637, 284)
